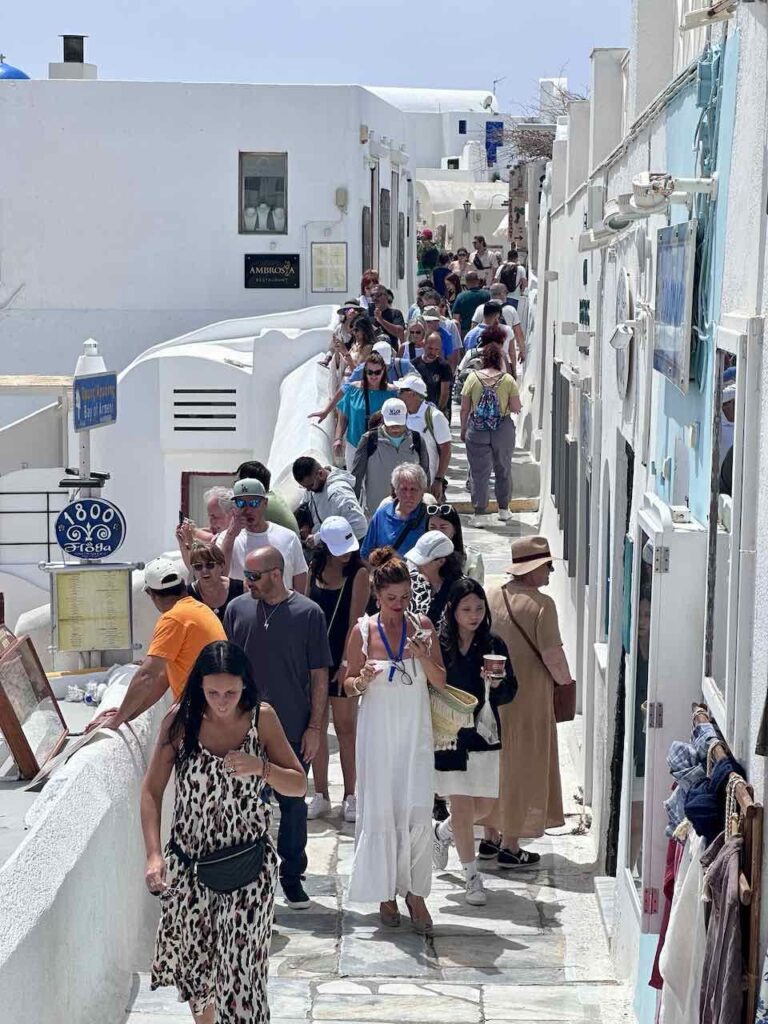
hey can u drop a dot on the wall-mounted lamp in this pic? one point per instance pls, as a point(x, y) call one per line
point(467, 207)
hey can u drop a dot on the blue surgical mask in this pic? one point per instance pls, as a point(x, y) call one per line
point(396, 441)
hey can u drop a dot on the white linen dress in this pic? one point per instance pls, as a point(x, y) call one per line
point(393, 834)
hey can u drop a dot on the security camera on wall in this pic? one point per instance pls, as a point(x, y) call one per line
point(651, 189)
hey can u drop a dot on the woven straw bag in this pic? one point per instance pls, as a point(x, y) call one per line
point(452, 709)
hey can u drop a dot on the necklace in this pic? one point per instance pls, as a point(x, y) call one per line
point(268, 618)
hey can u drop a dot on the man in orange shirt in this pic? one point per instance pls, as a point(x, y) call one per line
point(184, 628)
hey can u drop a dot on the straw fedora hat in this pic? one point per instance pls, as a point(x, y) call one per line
point(528, 553)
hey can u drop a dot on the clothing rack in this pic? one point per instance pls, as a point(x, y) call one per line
point(750, 827)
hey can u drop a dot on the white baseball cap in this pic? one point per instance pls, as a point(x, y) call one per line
point(413, 382)
point(337, 535)
point(430, 545)
point(384, 349)
point(162, 574)
point(394, 413)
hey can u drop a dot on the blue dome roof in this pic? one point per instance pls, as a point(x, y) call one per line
point(8, 71)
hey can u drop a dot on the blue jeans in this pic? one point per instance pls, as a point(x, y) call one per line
point(292, 832)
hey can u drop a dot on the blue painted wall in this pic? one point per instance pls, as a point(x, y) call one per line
point(675, 411)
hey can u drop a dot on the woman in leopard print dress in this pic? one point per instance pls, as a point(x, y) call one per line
point(225, 745)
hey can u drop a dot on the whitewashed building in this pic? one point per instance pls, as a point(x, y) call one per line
point(650, 303)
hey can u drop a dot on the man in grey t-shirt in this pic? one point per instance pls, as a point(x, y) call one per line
point(284, 635)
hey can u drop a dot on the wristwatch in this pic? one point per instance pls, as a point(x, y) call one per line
point(440, 479)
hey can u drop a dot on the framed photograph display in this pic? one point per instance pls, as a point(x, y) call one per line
point(675, 260)
point(92, 608)
point(385, 224)
point(329, 266)
point(32, 729)
point(263, 194)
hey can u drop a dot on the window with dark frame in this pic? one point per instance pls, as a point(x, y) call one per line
point(462, 126)
point(263, 194)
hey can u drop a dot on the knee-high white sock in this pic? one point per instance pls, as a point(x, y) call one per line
point(470, 869)
point(445, 831)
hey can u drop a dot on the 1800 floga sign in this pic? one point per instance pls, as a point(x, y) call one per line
point(271, 271)
point(90, 528)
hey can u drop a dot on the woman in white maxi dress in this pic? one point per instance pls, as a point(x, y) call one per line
point(391, 668)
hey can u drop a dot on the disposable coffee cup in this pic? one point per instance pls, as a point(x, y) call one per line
point(494, 664)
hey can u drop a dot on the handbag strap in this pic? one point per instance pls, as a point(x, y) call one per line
point(522, 631)
point(338, 602)
point(410, 525)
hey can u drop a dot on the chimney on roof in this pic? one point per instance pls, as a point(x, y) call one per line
point(73, 65)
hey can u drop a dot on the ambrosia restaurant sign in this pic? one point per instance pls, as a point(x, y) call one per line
point(271, 271)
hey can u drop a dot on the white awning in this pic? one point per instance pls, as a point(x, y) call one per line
point(446, 196)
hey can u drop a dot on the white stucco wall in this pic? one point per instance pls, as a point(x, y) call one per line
point(75, 918)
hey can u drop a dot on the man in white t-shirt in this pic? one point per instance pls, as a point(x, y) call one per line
point(484, 261)
point(250, 530)
point(427, 420)
point(512, 274)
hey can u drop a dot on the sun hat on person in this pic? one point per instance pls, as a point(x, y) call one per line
point(162, 573)
point(528, 553)
point(349, 304)
point(412, 382)
point(431, 313)
point(250, 488)
point(429, 546)
point(394, 413)
point(384, 349)
point(337, 535)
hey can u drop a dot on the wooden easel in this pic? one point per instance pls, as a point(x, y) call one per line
point(750, 827)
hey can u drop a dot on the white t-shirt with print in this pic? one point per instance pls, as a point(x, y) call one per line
point(509, 315)
point(286, 542)
point(440, 426)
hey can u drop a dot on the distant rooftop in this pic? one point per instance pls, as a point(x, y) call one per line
point(9, 72)
point(437, 101)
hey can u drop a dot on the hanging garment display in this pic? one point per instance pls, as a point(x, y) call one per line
point(721, 986)
point(687, 768)
point(682, 959)
point(705, 802)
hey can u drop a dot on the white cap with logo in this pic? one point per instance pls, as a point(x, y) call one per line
point(394, 413)
point(432, 544)
point(337, 535)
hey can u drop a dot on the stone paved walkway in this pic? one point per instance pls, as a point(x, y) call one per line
point(536, 952)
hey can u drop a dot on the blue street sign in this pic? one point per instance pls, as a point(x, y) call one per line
point(90, 528)
point(94, 399)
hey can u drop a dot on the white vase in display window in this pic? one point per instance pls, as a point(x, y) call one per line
point(249, 218)
point(262, 216)
point(278, 218)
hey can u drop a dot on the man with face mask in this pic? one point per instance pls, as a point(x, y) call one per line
point(383, 448)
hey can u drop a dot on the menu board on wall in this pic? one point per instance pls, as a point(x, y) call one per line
point(93, 610)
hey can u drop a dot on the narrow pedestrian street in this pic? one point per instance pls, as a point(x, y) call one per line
point(536, 952)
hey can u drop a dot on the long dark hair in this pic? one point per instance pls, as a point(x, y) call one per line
point(220, 657)
point(319, 561)
point(454, 519)
point(364, 324)
point(449, 630)
point(374, 357)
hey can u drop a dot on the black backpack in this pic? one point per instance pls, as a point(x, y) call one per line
point(508, 276)
point(372, 443)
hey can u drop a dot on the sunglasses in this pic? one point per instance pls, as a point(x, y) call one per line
point(418, 333)
point(253, 577)
point(374, 373)
point(439, 510)
point(248, 502)
point(199, 566)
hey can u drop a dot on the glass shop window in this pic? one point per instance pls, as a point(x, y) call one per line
point(263, 193)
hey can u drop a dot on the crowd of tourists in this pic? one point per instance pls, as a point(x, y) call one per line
point(363, 604)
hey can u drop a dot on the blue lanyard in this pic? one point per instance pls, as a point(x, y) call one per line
point(392, 659)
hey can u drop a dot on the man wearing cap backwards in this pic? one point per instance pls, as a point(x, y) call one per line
point(383, 448)
point(466, 302)
point(530, 797)
point(285, 637)
point(184, 628)
point(427, 420)
point(250, 530)
point(330, 492)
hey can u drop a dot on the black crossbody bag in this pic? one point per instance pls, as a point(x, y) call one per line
point(225, 870)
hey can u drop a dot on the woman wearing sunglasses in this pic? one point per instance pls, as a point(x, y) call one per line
point(360, 401)
point(446, 519)
point(413, 346)
point(210, 585)
point(391, 658)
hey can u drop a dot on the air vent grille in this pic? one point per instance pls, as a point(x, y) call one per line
point(213, 410)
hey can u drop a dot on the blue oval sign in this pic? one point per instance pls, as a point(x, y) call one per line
point(90, 528)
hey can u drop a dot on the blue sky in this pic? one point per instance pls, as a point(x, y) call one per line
point(445, 43)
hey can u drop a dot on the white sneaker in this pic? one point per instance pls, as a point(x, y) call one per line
point(478, 520)
point(475, 893)
point(440, 849)
point(349, 808)
point(504, 515)
point(318, 806)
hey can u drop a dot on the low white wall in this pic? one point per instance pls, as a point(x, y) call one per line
point(304, 390)
point(75, 918)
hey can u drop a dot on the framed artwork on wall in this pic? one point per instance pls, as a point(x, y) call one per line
point(385, 226)
point(367, 239)
point(32, 729)
point(401, 246)
point(329, 266)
